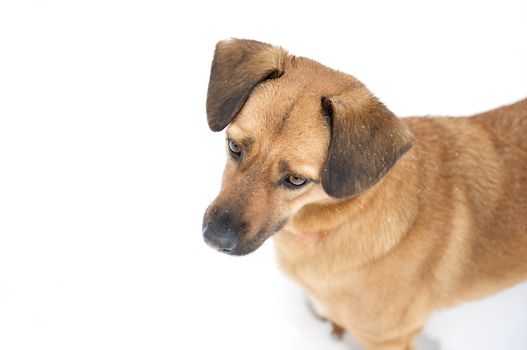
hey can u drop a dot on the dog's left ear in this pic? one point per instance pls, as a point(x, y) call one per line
point(366, 141)
point(238, 66)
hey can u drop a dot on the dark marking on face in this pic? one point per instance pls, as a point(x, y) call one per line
point(249, 246)
point(283, 166)
point(247, 142)
point(283, 122)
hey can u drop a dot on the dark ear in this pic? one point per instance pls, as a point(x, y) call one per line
point(366, 141)
point(238, 66)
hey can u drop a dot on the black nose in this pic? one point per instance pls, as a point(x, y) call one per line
point(220, 238)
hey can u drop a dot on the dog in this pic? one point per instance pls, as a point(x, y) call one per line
point(381, 220)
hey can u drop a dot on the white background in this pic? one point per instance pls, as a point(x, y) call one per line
point(107, 163)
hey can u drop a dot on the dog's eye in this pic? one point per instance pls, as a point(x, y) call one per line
point(293, 181)
point(235, 149)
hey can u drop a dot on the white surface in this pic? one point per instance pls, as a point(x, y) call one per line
point(106, 163)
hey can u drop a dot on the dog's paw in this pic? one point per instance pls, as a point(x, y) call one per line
point(337, 331)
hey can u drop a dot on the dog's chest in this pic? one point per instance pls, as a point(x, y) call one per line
point(325, 276)
point(345, 294)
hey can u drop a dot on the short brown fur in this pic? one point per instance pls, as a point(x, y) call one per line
point(432, 213)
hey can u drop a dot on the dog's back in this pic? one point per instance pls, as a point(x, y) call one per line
point(474, 196)
point(507, 229)
point(508, 124)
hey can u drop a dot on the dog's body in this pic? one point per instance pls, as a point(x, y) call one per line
point(449, 222)
point(382, 233)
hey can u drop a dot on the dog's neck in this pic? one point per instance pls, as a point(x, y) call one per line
point(364, 227)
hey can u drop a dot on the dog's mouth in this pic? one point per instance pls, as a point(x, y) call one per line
point(245, 247)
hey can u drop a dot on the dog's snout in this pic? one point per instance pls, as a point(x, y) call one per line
point(223, 232)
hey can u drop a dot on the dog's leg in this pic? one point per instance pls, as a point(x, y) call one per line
point(314, 311)
point(394, 344)
point(337, 331)
point(403, 342)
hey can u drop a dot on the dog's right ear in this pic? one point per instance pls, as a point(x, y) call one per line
point(367, 140)
point(238, 66)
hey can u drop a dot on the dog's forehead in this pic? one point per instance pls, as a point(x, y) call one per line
point(281, 110)
point(294, 99)
point(276, 104)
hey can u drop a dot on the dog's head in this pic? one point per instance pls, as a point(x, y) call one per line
point(297, 133)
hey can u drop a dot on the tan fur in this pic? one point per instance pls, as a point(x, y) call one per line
point(446, 224)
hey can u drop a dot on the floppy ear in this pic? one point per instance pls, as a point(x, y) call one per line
point(366, 141)
point(238, 66)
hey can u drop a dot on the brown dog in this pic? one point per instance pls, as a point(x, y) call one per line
point(382, 220)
